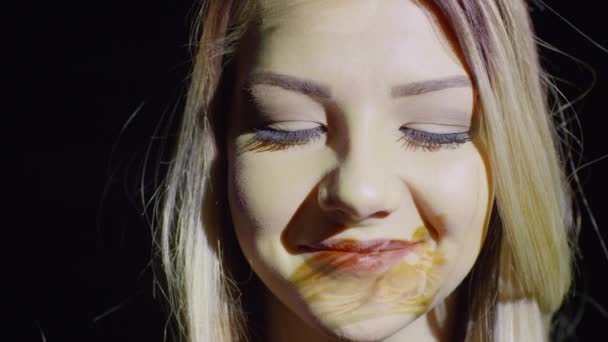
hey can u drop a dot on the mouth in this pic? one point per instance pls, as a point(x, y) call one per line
point(360, 247)
point(360, 257)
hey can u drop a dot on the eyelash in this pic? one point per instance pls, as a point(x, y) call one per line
point(271, 139)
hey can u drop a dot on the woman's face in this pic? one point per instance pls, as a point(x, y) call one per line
point(355, 190)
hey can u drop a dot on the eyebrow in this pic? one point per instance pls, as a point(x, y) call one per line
point(319, 90)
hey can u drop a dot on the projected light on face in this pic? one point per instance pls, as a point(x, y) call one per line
point(343, 286)
point(356, 192)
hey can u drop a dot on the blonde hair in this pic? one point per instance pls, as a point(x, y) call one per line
point(524, 270)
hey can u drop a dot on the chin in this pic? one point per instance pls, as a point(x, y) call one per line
point(373, 329)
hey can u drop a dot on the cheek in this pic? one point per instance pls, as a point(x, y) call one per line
point(265, 191)
point(268, 188)
point(453, 196)
point(459, 189)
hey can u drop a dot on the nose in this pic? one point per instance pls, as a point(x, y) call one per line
point(359, 190)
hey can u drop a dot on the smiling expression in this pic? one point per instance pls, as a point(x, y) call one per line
point(356, 189)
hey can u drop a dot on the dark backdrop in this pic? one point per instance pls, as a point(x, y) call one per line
point(83, 244)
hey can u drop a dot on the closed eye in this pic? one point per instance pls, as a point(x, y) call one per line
point(414, 139)
point(273, 139)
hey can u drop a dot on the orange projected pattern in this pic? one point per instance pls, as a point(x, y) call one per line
point(339, 296)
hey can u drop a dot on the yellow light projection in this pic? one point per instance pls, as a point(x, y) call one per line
point(344, 287)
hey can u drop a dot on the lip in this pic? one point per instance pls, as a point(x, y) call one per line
point(359, 257)
point(361, 247)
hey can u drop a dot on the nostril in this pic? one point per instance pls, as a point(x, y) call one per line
point(347, 217)
point(352, 197)
point(381, 214)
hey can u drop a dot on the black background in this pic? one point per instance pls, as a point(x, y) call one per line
point(83, 69)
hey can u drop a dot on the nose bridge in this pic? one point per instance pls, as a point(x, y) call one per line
point(361, 185)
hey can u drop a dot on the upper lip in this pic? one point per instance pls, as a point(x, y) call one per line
point(356, 246)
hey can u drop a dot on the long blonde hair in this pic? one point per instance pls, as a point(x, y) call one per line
point(524, 270)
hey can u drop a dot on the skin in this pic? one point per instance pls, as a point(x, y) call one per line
point(359, 179)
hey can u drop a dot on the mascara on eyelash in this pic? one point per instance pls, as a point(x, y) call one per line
point(442, 139)
point(282, 136)
point(431, 142)
point(271, 139)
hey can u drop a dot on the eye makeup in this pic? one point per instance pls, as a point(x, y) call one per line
point(414, 139)
point(289, 137)
point(272, 139)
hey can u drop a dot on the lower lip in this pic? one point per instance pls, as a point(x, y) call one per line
point(359, 262)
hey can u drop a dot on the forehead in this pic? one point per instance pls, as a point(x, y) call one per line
point(348, 16)
point(349, 42)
